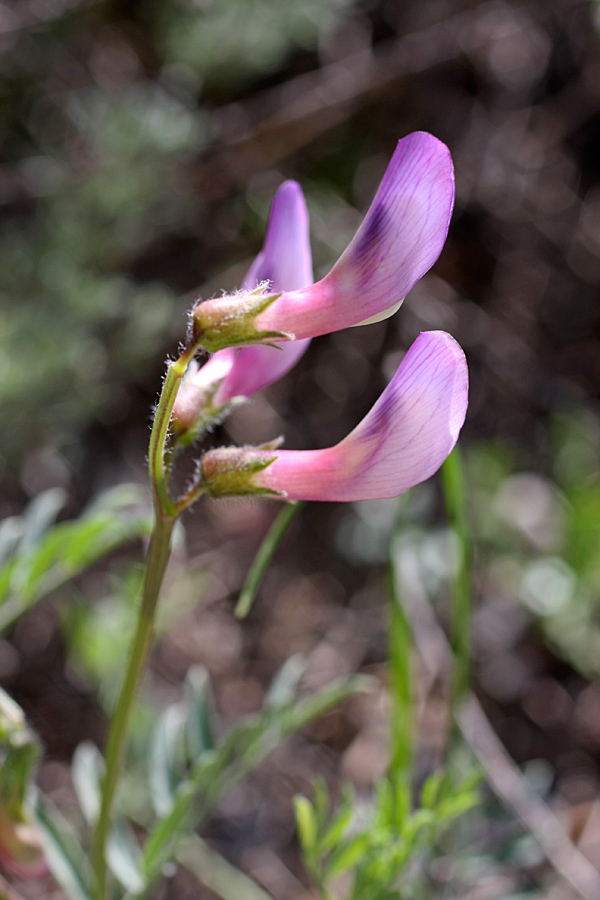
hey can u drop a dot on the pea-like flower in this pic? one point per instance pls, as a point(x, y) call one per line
point(285, 262)
point(399, 240)
point(402, 441)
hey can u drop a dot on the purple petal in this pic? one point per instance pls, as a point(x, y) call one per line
point(402, 441)
point(285, 259)
point(286, 262)
point(399, 240)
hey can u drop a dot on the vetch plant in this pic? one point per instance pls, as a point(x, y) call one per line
point(402, 441)
point(256, 336)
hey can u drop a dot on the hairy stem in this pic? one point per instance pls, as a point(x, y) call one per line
point(156, 564)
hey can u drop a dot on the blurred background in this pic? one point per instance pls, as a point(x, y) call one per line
point(141, 143)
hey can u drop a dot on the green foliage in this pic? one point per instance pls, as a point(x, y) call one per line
point(37, 557)
point(230, 42)
point(189, 771)
point(381, 847)
point(539, 537)
point(67, 860)
point(186, 788)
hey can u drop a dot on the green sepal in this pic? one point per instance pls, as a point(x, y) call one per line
point(230, 321)
point(229, 471)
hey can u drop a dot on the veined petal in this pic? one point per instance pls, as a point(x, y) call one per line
point(402, 441)
point(399, 240)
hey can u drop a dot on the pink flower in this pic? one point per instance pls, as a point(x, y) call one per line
point(399, 240)
point(402, 441)
point(286, 263)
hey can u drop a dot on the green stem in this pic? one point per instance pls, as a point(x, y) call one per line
point(156, 564)
point(157, 451)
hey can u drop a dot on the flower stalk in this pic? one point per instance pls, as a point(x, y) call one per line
point(166, 513)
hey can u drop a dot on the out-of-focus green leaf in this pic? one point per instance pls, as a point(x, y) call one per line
point(166, 758)
point(39, 516)
point(347, 855)
point(66, 858)
point(124, 857)
point(199, 711)
point(307, 824)
point(86, 770)
point(213, 871)
point(338, 827)
point(284, 685)
point(219, 770)
point(47, 557)
point(431, 790)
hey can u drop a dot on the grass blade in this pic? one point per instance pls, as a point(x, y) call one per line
point(215, 873)
point(400, 682)
point(65, 856)
point(454, 496)
point(264, 556)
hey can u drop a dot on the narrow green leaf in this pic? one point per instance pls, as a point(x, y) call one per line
point(86, 770)
point(166, 758)
point(307, 824)
point(65, 856)
point(218, 771)
point(39, 516)
point(339, 826)
point(420, 819)
point(320, 803)
point(456, 507)
point(264, 556)
point(285, 683)
point(11, 530)
point(452, 807)
point(385, 809)
point(199, 711)
point(431, 790)
point(303, 711)
point(402, 790)
point(46, 559)
point(213, 871)
point(402, 705)
point(123, 857)
point(118, 499)
point(347, 856)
